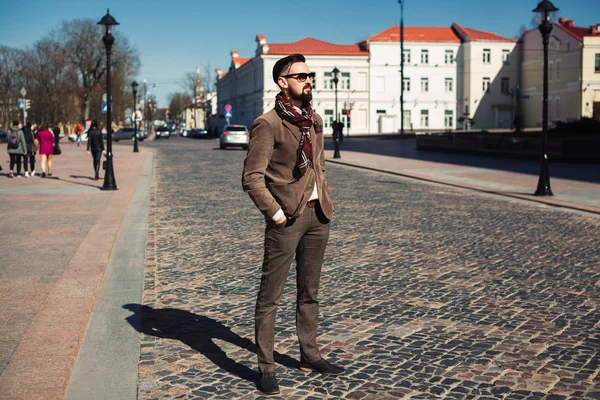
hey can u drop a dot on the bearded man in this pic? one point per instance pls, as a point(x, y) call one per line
point(284, 175)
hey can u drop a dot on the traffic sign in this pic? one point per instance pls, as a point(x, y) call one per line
point(21, 104)
point(23, 91)
point(228, 114)
point(104, 97)
point(104, 108)
point(228, 108)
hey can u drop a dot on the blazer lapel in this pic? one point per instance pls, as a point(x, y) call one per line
point(293, 129)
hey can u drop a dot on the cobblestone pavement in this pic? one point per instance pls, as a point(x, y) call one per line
point(427, 292)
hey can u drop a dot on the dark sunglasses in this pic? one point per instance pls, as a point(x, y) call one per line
point(301, 77)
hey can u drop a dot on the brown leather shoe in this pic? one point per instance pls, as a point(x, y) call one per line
point(323, 366)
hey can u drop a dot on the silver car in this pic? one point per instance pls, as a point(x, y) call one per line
point(235, 136)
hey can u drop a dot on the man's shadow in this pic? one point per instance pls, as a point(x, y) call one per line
point(198, 332)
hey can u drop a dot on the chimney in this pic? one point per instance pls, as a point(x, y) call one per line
point(562, 21)
point(219, 72)
point(570, 23)
point(234, 54)
point(596, 30)
point(262, 46)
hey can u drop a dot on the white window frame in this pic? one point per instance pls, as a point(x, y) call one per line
point(424, 118)
point(486, 83)
point(328, 118)
point(487, 56)
point(406, 56)
point(505, 55)
point(448, 118)
point(424, 85)
point(345, 80)
point(406, 85)
point(450, 59)
point(328, 81)
point(448, 85)
point(424, 56)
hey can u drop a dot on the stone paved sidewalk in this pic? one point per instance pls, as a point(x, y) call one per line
point(427, 292)
point(57, 237)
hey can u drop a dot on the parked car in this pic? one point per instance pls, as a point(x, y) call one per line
point(127, 134)
point(162, 132)
point(199, 133)
point(235, 136)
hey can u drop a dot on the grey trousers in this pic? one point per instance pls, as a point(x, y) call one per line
point(305, 238)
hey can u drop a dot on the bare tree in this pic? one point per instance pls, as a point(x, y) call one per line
point(209, 77)
point(81, 40)
point(52, 81)
point(11, 81)
point(188, 83)
point(177, 103)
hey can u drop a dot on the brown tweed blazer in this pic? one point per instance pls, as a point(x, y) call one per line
point(270, 163)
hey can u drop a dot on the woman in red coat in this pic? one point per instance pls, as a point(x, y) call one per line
point(46, 139)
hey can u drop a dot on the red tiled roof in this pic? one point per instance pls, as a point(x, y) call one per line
point(416, 34)
point(481, 36)
point(241, 61)
point(576, 31)
point(310, 46)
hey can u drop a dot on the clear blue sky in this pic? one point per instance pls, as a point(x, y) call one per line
point(174, 36)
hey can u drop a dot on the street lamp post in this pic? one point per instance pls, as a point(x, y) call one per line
point(401, 66)
point(336, 126)
point(109, 177)
point(134, 87)
point(544, 9)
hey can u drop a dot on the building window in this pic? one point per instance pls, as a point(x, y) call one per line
point(597, 69)
point(424, 84)
point(505, 54)
point(328, 118)
point(328, 81)
point(449, 57)
point(557, 71)
point(380, 112)
point(550, 71)
point(346, 118)
point(406, 55)
point(424, 118)
point(424, 56)
point(448, 85)
point(505, 85)
point(406, 84)
point(486, 84)
point(345, 81)
point(448, 118)
point(487, 56)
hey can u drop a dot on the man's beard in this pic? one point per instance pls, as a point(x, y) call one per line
point(302, 96)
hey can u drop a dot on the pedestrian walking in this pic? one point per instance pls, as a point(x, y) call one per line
point(78, 133)
point(16, 147)
point(46, 139)
point(32, 148)
point(56, 150)
point(284, 176)
point(95, 146)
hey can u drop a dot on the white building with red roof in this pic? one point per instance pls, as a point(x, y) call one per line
point(249, 87)
point(446, 73)
point(573, 73)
